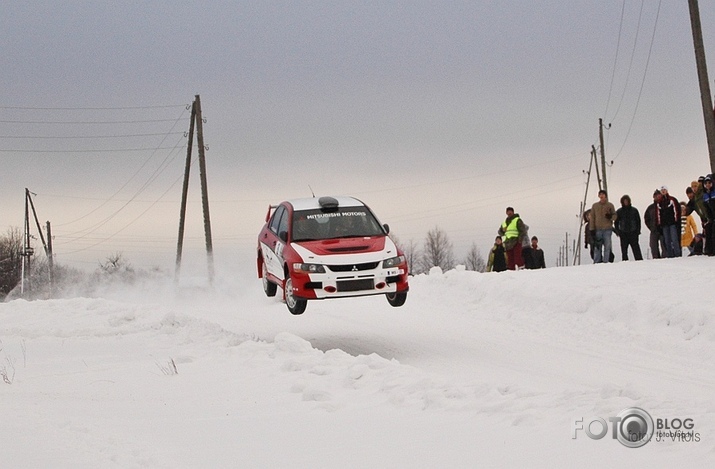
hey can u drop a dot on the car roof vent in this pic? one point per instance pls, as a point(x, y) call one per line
point(328, 203)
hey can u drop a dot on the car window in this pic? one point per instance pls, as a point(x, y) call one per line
point(283, 223)
point(343, 222)
point(276, 220)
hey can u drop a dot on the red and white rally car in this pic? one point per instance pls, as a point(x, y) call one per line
point(328, 247)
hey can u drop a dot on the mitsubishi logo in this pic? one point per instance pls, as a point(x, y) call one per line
point(355, 269)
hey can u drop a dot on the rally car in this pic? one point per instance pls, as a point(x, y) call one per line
point(328, 247)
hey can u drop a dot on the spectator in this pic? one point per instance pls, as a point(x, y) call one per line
point(603, 214)
point(668, 219)
point(708, 229)
point(512, 230)
point(497, 257)
point(698, 204)
point(690, 205)
point(535, 260)
point(689, 228)
point(628, 228)
point(657, 247)
point(588, 235)
point(696, 246)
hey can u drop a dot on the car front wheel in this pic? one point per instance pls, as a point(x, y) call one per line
point(295, 305)
point(396, 299)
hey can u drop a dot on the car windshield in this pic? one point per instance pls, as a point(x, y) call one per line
point(343, 222)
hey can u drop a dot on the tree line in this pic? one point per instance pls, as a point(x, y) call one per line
point(436, 250)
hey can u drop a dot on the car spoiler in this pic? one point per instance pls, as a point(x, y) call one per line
point(271, 208)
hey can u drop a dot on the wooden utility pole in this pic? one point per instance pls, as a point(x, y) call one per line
point(204, 189)
point(184, 194)
point(196, 122)
point(27, 248)
point(594, 157)
point(603, 155)
point(50, 260)
point(705, 96)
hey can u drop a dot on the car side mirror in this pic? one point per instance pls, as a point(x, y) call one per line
point(283, 235)
point(387, 228)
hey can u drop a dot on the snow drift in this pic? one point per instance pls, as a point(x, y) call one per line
point(475, 370)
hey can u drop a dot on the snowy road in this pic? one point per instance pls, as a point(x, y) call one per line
point(475, 368)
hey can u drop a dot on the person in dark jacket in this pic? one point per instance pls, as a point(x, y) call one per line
point(628, 228)
point(709, 204)
point(535, 259)
point(657, 248)
point(497, 257)
point(668, 217)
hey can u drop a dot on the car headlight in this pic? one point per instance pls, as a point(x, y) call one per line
point(308, 268)
point(393, 262)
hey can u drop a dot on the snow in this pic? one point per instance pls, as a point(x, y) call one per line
point(475, 370)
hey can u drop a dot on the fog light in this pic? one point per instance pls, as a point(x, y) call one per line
point(380, 285)
point(330, 289)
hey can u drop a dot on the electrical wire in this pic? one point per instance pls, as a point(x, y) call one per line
point(630, 64)
point(136, 173)
point(615, 60)
point(121, 108)
point(645, 72)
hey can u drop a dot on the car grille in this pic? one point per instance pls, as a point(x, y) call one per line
point(353, 267)
point(356, 285)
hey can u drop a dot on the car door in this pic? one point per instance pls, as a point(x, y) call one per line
point(272, 245)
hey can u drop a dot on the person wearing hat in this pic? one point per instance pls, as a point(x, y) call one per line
point(709, 202)
point(668, 219)
point(603, 214)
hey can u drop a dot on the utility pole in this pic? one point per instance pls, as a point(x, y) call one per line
point(566, 249)
point(27, 250)
point(603, 155)
point(50, 260)
point(705, 96)
point(594, 157)
point(204, 189)
point(196, 122)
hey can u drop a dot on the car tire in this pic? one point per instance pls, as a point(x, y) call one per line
point(295, 305)
point(396, 299)
point(269, 287)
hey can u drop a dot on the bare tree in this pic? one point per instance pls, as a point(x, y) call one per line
point(438, 251)
point(474, 260)
point(412, 254)
point(11, 248)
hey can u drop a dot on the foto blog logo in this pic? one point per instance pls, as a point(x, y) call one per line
point(632, 427)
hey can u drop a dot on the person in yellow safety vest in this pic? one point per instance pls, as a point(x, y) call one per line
point(512, 231)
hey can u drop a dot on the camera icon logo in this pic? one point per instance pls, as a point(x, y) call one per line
point(635, 427)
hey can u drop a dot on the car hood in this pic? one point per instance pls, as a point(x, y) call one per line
point(353, 249)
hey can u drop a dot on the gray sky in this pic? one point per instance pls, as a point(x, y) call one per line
point(433, 113)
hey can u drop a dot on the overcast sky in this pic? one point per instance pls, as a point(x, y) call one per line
point(433, 113)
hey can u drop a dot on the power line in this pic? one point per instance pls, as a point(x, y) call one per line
point(121, 108)
point(96, 150)
point(615, 60)
point(645, 72)
point(71, 137)
point(87, 122)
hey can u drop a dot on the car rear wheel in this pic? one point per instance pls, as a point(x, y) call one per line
point(295, 305)
point(269, 287)
point(396, 299)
